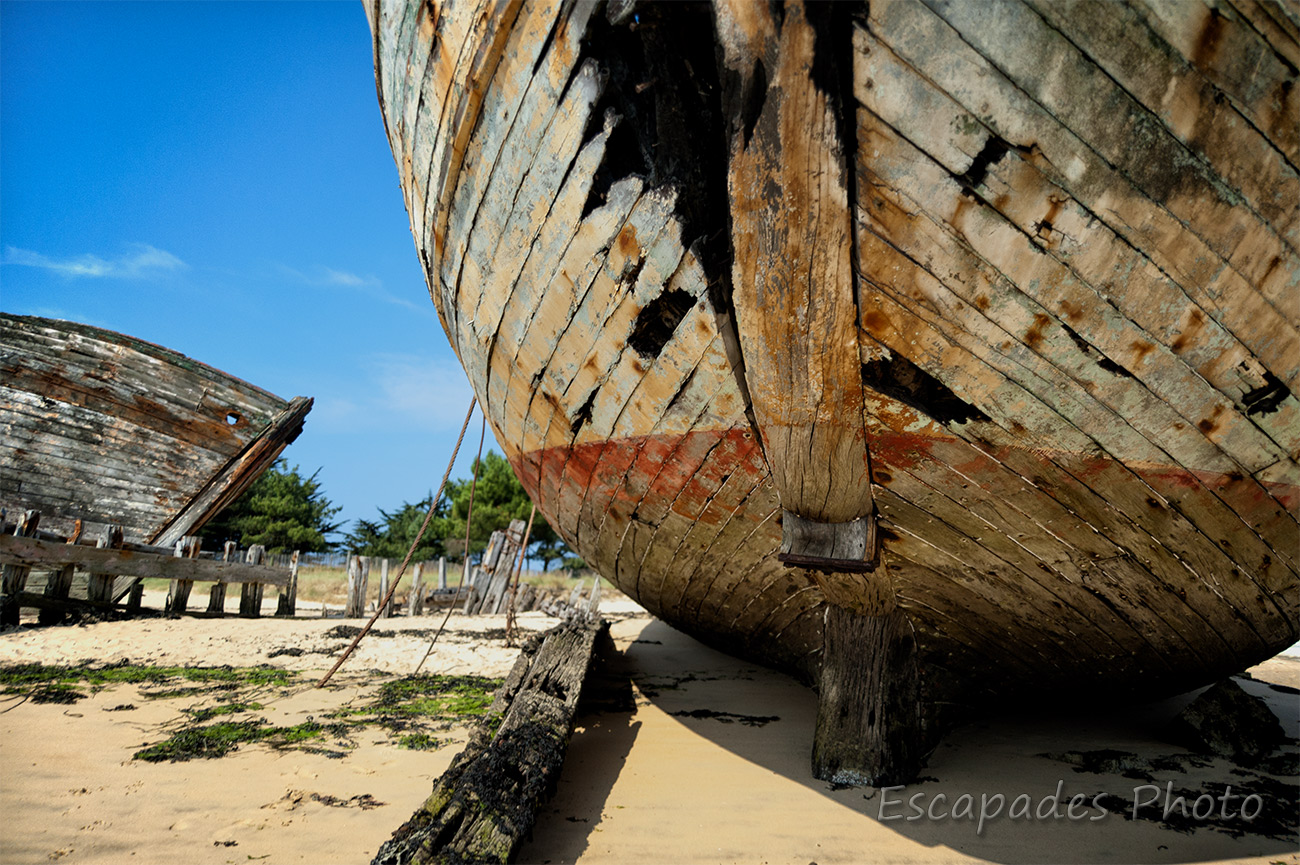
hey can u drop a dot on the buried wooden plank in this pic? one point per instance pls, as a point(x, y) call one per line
point(484, 806)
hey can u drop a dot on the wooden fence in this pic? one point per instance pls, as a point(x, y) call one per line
point(110, 564)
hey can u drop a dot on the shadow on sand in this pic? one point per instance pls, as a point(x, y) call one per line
point(686, 754)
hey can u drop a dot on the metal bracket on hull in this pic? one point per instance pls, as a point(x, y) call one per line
point(850, 547)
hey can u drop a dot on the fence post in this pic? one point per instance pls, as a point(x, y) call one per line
point(15, 576)
point(99, 587)
point(288, 603)
point(387, 612)
point(178, 593)
point(442, 572)
point(250, 595)
point(358, 573)
point(58, 586)
point(415, 600)
point(217, 597)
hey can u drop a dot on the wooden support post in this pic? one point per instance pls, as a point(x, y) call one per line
point(358, 573)
point(442, 572)
point(250, 594)
point(870, 723)
point(387, 611)
point(178, 593)
point(415, 600)
point(59, 586)
point(136, 599)
point(15, 576)
point(217, 597)
point(288, 602)
point(99, 587)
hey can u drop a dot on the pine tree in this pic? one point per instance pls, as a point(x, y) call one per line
point(281, 510)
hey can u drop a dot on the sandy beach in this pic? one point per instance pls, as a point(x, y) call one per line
point(682, 754)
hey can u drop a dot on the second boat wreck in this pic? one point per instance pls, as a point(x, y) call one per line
point(931, 351)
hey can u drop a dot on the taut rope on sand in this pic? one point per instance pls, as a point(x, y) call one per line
point(433, 506)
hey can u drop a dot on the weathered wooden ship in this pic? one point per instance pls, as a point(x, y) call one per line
point(934, 351)
point(99, 429)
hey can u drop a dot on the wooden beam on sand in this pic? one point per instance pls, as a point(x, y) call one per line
point(484, 806)
point(30, 552)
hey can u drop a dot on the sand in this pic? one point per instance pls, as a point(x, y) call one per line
point(686, 755)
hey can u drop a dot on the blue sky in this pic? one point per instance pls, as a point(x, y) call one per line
point(214, 177)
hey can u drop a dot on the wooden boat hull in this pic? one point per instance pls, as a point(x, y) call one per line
point(104, 429)
point(1014, 281)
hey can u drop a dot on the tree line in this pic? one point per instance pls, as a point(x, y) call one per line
point(284, 511)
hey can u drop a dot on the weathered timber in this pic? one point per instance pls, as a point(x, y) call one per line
point(111, 430)
point(387, 611)
point(358, 578)
point(287, 603)
point(178, 593)
point(217, 597)
point(99, 585)
point(56, 589)
point(15, 573)
point(870, 723)
point(1013, 285)
point(485, 804)
point(119, 563)
point(250, 594)
point(415, 599)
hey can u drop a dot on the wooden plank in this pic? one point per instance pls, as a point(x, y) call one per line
point(287, 603)
point(484, 806)
point(99, 585)
point(217, 596)
point(358, 574)
point(387, 610)
point(56, 589)
point(178, 594)
point(15, 573)
point(250, 593)
point(415, 599)
point(124, 563)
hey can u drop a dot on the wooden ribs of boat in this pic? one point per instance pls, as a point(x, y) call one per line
point(974, 321)
point(108, 430)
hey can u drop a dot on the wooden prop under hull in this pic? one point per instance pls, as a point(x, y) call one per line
point(1011, 283)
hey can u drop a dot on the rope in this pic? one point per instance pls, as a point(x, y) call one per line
point(419, 536)
point(464, 570)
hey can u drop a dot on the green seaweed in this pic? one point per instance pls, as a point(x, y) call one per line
point(15, 676)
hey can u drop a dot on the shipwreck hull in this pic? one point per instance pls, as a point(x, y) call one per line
point(102, 429)
point(1014, 282)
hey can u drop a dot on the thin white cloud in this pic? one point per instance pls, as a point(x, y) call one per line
point(406, 390)
point(141, 262)
point(371, 286)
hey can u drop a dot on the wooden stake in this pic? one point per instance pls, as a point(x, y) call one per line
point(387, 610)
point(59, 585)
point(178, 594)
point(15, 576)
point(217, 597)
point(288, 603)
point(250, 594)
point(415, 601)
point(99, 586)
